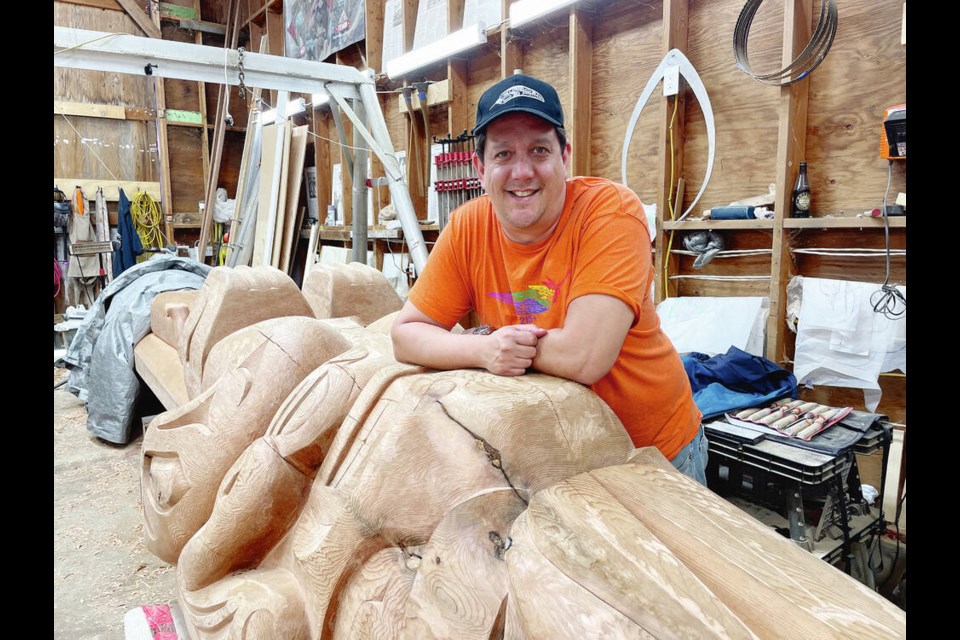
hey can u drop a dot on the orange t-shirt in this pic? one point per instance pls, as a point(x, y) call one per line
point(601, 245)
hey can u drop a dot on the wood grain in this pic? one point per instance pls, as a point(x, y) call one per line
point(371, 605)
point(462, 578)
point(537, 586)
point(769, 582)
point(586, 533)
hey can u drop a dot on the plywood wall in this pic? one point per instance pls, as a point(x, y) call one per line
point(864, 73)
point(745, 111)
point(626, 50)
point(99, 148)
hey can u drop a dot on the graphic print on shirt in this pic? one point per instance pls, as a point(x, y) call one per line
point(533, 300)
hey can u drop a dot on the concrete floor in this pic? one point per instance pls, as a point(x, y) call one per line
point(101, 569)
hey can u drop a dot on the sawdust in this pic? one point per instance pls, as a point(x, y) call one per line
point(101, 567)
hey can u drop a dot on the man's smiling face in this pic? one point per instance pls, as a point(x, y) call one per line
point(524, 173)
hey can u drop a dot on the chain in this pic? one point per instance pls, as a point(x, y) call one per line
point(243, 88)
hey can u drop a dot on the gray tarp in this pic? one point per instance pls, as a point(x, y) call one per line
point(100, 356)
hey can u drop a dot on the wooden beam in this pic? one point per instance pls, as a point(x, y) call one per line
point(457, 107)
point(163, 152)
point(791, 146)
point(581, 72)
point(675, 14)
point(111, 188)
point(374, 36)
point(437, 93)
point(112, 5)
point(202, 95)
point(259, 12)
point(111, 111)
point(143, 21)
point(213, 175)
point(409, 23)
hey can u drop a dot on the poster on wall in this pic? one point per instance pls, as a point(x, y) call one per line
point(316, 29)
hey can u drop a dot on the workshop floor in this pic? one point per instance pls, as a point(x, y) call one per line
point(101, 569)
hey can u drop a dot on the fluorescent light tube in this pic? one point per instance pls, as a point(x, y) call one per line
point(526, 11)
point(449, 45)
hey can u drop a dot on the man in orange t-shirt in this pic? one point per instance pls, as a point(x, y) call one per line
point(563, 267)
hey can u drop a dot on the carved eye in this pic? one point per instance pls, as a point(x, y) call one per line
point(165, 478)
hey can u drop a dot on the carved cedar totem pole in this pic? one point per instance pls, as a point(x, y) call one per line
point(313, 487)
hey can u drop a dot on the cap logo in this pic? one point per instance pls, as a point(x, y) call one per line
point(518, 91)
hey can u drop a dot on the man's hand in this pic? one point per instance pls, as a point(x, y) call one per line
point(510, 350)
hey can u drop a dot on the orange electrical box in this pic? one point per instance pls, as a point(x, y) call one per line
point(893, 133)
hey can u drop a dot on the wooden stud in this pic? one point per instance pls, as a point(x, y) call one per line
point(675, 13)
point(133, 10)
point(112, 5)
point(374, 36)
point(791, 143)
point(581, 66)
point(163, 153)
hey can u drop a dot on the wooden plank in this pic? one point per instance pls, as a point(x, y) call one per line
point(614, 548)
point(112, 5)
point(159, 365)
point(373, 21)
point(202, 99)
point(791, 149)
point(769, 582)
point(116, 112)
point(691, 225)
point(298, 149)
point(213, 176)
point(581, 63)
point(267, 171)
point(671, 139)
point(111, 188)
point(143, 21)
point(457, 107)
point(185, 170)
point(437, 93)
point(322, 160)
point(844, 222)
point(282, 213)
point(259, 13)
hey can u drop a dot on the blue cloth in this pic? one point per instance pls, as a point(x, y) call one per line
point(130, 245)
point(735, 380)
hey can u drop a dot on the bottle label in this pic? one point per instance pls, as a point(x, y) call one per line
point(801, 201)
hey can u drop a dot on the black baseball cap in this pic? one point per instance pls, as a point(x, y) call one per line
point(519, 93)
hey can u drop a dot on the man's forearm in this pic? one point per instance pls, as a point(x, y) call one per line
point(587, 346)
point(435, 347)
point(560, 354)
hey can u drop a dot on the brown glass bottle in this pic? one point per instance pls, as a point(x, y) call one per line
point(801, 194)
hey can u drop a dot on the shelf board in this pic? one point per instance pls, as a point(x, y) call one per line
point(690, 225)
point(827, 222)
point(844, 222)
point(377, 232)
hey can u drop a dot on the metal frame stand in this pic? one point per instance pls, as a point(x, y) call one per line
point(124, 53)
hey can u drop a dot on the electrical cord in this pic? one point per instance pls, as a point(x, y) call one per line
point(146, 215)
point(666, 256)
point(888, 300)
